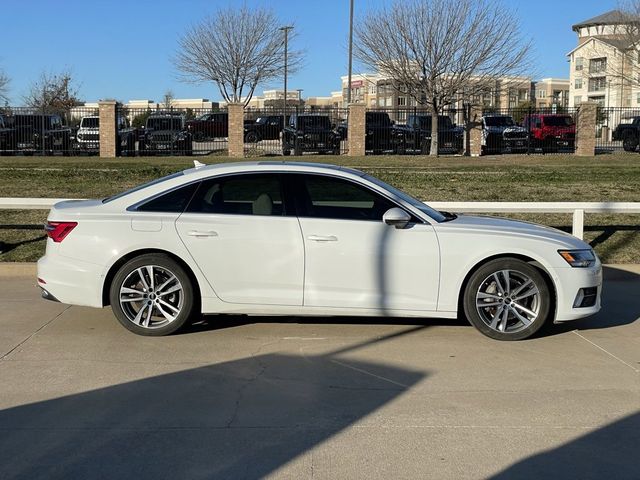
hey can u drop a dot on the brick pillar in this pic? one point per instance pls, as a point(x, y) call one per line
point(586, 129)
point(356, 132)
point(474, 132)
point(236, 130)
point(108, 130)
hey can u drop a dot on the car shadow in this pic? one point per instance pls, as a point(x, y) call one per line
point(242, 418)
point(609, 452)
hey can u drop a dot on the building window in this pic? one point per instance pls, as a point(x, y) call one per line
point(541, 93)
point(597, 65)
point(598, 84)
point(638, 98)
point(579, 63)
point(577, 99)
point(402, 101)
point(578, 84)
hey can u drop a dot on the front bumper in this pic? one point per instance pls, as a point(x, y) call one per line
point(71, 281)
point(569, 282)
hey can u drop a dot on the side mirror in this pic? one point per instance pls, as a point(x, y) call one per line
point(396, 217)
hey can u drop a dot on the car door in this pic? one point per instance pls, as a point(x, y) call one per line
point(245, 241)
point(353, 259)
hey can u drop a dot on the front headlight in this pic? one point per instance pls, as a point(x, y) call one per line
point(579, 258)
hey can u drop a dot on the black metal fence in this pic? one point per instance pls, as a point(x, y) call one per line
point(617, 129)
point(529, 130)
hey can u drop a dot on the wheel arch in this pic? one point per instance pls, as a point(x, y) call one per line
point(531, 261)
point(111, 273)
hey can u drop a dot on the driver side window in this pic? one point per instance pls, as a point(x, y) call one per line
point(328, 197)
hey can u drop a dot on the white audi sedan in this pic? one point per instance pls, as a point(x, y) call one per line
point(284, 238)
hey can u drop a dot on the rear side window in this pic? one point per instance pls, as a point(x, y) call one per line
point(240, 195)
point(174, 201)
point(327, 197)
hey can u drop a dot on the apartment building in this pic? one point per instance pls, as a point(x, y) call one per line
point(604, 64)
point(552, 93)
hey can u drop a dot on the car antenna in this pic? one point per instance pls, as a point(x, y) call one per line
point(197, 164)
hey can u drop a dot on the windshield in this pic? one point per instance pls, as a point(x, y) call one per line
point(90, 122)
point(314, 122)
point(164, 123)
point(499, 121)
point(378, 119)
point(414, 202)
point(559, 121)
point(140, 187)
point(261, 120)
point(444, 122)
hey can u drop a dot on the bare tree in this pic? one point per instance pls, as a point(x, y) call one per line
point(4, 87)
point(237, 49)
point(437, 50)
point(167, 99)
point(52, 92)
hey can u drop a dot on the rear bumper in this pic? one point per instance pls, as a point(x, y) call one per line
point(71, 281)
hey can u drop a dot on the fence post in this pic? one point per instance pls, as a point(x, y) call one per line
point(577, 229)
point(107, 111)
point(474, 127)
point(356, 130)
point(586, 129)
point(236, 130)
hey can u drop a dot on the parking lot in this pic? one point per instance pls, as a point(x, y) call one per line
point(237, 397)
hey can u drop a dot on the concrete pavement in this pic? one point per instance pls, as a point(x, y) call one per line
point(237, 397)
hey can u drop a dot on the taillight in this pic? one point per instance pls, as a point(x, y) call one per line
point(57, 231)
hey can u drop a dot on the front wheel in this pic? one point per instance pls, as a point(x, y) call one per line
point(507, 299)
point(152, 295)
point(630, 143)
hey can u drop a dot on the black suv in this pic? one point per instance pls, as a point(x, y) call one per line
point(416, 135)
point(379, 132)
point(266, 127)
point(310, 133)
point(40, 133)
point(165, 133)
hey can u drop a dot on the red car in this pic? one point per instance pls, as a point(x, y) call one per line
point(551, 132)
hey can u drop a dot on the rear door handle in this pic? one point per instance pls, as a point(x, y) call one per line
point(323, 238)
point(196, 233)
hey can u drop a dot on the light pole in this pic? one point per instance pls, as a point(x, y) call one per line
point(285, 29)
point(350, 51)
point(299, 90)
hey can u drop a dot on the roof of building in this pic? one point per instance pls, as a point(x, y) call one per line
point(613, 17)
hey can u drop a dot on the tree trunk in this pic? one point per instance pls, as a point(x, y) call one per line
point(435, 147)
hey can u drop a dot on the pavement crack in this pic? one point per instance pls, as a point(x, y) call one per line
point(33, 334)
point(607, 352)
point(262, 367)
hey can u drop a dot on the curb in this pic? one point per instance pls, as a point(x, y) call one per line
point(611, 272)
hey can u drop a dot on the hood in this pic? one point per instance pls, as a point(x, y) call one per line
point(503, 226)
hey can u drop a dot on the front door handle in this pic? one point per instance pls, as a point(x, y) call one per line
point(323, 238)
point(196, 233)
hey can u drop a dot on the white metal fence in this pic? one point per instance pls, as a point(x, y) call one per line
point(577, 209)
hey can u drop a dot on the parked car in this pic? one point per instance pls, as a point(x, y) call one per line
point(628, 132)
point(551, 132)
point(265, 127)
point(87, 137)
point(310, 133)
point(165, 133)
point(40, 133)
point(501, 134)
point(7, 137)
point(209, 126)
point(416, 135)
point(307, 239)
point(379, 131)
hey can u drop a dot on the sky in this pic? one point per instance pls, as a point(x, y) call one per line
point(122, 49)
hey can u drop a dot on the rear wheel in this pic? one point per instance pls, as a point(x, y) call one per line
point(198, 136)
point(251, 137)
point(507, 299)
point(152, 295)
point(630, 143)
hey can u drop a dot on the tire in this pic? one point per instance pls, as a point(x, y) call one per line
point(297, 149)
point(286, 152)
point(486, 297)
point(252, 137)
point(198, 136)
point(169, 311)
point(630, 142)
